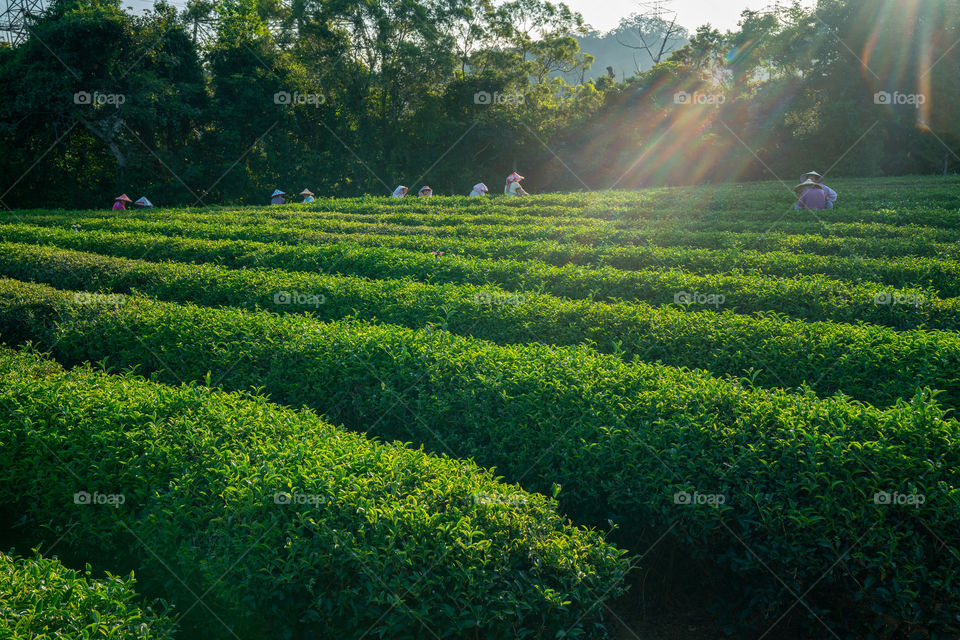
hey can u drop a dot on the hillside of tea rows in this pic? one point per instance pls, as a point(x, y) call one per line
point(675, 413)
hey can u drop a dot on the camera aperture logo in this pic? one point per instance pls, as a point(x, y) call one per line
point(297, 298)
point(110, 499)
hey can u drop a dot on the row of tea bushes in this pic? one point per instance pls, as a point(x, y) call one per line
point(295, 231)
point(725, 229)
point(269, 523)
point(870, 363)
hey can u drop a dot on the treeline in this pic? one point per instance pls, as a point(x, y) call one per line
point(225, 101)
point(856, 87)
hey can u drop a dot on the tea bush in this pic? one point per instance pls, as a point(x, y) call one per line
point(270, 523)
point(41, 599)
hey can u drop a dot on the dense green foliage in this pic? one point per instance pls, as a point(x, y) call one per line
point(796, 482)
point(812, 297)
point(679, 208)
point(40, 599)
point(299, 226)
point(283, 526)
point(553, 338)
point(869, 363)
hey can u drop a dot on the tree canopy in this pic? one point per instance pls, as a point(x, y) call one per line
point(228, 99)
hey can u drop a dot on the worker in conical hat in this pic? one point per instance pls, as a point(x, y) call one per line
point(119, 202)
point(479, 189)
point(399, 192)
point(816, 177)
point(307, 195)
point(143, 202)
point(513, 187)
point(812, 196)
point(277, 197)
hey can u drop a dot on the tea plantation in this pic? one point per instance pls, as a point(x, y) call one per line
point(678, 413)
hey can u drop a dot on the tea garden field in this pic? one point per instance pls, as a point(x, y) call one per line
point(684, 412)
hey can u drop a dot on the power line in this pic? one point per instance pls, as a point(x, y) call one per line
point(658, 9)
point(16, 17)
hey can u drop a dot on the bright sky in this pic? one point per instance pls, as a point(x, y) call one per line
point(603, 15)
point(722, 14)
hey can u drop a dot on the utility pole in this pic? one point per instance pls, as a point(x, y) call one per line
point(659, 17)
point(654, 8)
point(15, 19)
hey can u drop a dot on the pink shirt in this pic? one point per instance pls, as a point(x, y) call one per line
point(813, 198)
point(119, 205)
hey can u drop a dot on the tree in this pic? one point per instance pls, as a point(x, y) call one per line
point(91, 79)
